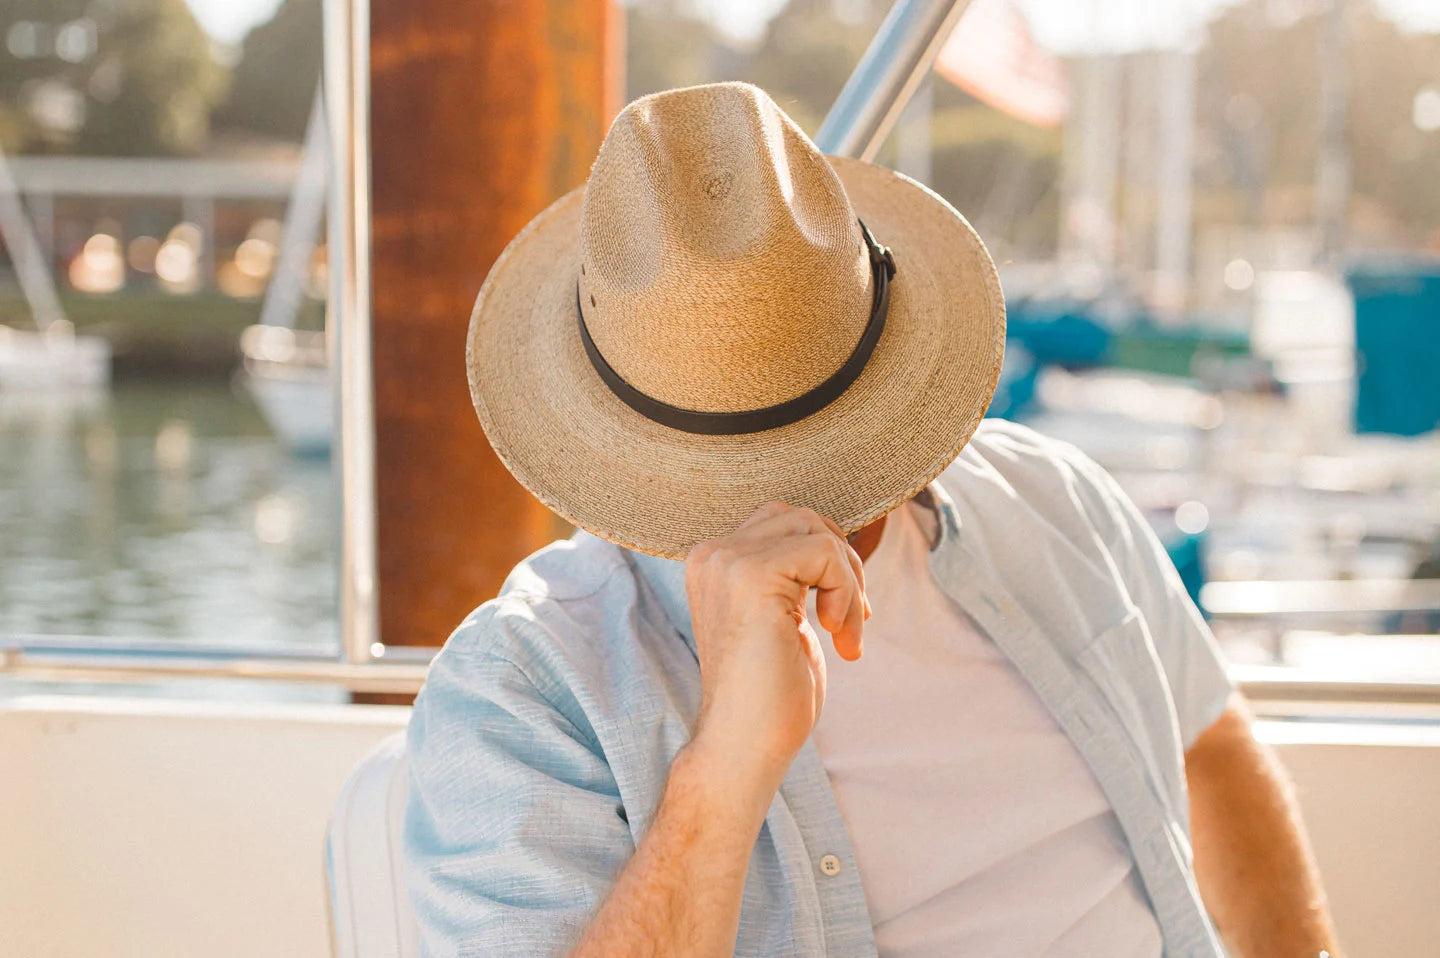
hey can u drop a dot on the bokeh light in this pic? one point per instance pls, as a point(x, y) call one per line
point(100, 267)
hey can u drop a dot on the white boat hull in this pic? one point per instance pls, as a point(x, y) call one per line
point(297, 405)
point(34, 361)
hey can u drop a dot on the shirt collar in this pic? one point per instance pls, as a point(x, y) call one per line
point(946, 514)
point(666, 577)
point(666, 580)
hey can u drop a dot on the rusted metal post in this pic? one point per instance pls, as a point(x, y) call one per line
point(481, 114)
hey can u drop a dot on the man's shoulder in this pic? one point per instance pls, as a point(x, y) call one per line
point(573, 614)
point(543, 596)
point(1045, 473)
point(566, 571)
point(526, 670)
point(1005, 442)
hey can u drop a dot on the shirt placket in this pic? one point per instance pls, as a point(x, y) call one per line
point(828, 858)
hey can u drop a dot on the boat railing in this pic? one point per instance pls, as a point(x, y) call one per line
point(1282, 599)
point(1271, 690)
point(389, 669)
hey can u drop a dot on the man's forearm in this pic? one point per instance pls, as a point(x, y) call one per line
point(680, 893)
point(1252, 861)
point(762, 682)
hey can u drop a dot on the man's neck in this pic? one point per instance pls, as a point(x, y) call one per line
point(866, 538)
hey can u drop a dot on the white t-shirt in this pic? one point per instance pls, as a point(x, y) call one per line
point(976, 825)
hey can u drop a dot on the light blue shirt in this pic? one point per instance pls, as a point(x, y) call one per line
point(541, 742)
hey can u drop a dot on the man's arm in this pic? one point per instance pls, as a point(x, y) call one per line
point(514, 825)
point(762, 681)
point(680, 893)
point(1252, 860)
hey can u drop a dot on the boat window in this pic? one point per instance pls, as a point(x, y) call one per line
point(165, 409)
point(1215, 225)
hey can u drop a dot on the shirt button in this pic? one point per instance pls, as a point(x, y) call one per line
point(830, 865)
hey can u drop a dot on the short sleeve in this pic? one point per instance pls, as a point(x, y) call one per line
point(514, 831)
point(1194, 666)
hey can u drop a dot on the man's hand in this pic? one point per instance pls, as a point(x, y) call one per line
point(762, 671)
point(762, 678)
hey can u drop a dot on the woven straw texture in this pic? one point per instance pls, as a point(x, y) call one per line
point(723, 269)
point(728, 274)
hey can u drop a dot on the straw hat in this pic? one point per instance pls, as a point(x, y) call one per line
point(706, 326)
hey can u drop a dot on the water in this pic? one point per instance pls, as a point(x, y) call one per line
point(162, 512)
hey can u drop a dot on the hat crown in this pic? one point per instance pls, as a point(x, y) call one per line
point(723, 269)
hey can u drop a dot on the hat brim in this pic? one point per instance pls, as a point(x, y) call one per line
point(606, 468)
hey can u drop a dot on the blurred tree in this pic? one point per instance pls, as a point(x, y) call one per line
point(1258, 122)
point(1257, 115)
point(1001, 173)
point(1395, 165)
point(998, 171)
point(274, 83)
point(668, 47)
point(1258, 118)
point(808, 52)
point(106, 77)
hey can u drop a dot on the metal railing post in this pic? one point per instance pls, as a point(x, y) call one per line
point(347, 94)
point(886, 76)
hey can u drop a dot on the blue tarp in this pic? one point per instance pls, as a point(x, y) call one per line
point(1397, 345)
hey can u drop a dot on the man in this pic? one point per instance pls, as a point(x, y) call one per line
point(708, 354)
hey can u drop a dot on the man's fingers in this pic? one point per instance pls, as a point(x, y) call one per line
point(767, 511)
point(844, 617)
point(776, 519)
point(821, 560)
point(782, 518)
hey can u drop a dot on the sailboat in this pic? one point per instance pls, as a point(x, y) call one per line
point(50, 356)
point(287, 369)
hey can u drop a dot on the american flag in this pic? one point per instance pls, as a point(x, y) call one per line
point(992, 56)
